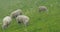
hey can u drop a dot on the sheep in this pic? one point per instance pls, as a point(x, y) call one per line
point(23, 19)
point(43, 8)
point(6, 21)
point(15, 13)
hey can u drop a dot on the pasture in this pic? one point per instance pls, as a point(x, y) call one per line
point(39, 22)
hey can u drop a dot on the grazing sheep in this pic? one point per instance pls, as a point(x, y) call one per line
point(43, 8)
point(23, 19)
point(6, 21)
point(15, 13)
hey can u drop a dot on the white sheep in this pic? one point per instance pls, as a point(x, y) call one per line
point(23, 19)
point(43, 8)
point(6, 21)
point(15, 13)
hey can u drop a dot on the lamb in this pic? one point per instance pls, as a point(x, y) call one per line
point(43, 8)
point(23, 19)
point(15, 13)
point(6, 21)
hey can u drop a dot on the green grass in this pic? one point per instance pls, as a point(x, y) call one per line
point(39, 22)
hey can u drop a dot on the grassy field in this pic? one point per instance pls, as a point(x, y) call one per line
point(39, 22)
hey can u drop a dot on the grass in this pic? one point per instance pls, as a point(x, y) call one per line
point(39, 22)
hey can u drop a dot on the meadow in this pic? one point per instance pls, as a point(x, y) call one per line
point(39, 22)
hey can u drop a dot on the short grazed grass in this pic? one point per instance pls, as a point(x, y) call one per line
point(39, 22)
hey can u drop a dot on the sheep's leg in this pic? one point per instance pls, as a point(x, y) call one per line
point(4, 27)
point(26, 23)
point(18, 21)
point(47, 11)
